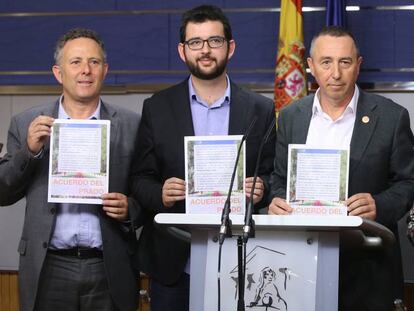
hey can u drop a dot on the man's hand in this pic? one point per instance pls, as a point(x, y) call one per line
point(258, 189)
point(279, 206)
point(115, 205)
point(173, 190)
point(39, 130)
point(363, 205)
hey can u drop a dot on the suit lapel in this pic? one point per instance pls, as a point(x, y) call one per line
point(239, 110)
point(108, 113)
point(302, 120)
point(180, 108)
point(365, 123)
point(53, 111)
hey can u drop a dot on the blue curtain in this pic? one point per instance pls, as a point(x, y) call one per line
point(335, 13)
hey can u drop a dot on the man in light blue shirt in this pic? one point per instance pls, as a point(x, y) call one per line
point(73, 256)
point(207, 103)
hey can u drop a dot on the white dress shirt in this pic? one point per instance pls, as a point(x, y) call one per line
point(326, 133)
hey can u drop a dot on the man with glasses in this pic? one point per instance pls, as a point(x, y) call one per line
point(206, 103)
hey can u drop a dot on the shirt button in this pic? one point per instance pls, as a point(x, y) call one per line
point(45, 244)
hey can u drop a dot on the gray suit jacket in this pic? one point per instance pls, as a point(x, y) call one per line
point(21, 175)
point(381, 163)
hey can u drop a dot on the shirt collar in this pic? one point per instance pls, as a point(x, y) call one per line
point(351, 108)
point(63, 115)
point(224, 99)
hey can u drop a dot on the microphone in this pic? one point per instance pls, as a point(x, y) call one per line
point(248, 219)
point(225, 219)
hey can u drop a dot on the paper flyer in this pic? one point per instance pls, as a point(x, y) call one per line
point(317, 181)
point(209, 163)
point(79, 161)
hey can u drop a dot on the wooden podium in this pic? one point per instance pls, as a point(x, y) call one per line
point(292, 263)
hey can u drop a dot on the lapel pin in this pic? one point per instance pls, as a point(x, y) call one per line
point(365, 119)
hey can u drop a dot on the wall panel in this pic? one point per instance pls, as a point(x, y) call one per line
point(55, 6)
point(9, 297)
point(141, 38)
point(403, 38)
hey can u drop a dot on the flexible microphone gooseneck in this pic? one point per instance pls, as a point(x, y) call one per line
point(248, 228)
point(225, 229)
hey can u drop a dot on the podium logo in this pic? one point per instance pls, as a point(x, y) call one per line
point(267, 279)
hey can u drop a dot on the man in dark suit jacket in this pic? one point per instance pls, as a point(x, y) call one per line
point(73, 256)
point(207, 103)
point(381, 173)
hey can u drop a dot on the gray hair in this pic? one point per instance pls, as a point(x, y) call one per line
point(75, 34)
point(333, 31)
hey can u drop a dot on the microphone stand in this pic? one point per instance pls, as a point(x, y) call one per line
point(249, 226)
point(240, 273)
point(225, 228)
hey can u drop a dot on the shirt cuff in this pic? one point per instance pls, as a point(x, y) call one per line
point(38, 155)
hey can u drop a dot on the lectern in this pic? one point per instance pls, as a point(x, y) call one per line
point(291, 263)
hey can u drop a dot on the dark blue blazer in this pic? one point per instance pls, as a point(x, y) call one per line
point(166, 119)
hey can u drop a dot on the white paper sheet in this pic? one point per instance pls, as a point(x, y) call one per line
point(79, 161)
point(317, 182)
point(209, 163)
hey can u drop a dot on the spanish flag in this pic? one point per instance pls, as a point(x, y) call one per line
point(290, 81)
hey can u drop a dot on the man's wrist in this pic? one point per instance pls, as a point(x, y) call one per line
point(38, 155)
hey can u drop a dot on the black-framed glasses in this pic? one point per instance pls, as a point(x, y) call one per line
point(214, 42)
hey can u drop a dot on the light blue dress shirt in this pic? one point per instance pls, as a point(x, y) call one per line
point(210, 120)
point(76, 224)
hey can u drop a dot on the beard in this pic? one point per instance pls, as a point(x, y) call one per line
point(202, 74)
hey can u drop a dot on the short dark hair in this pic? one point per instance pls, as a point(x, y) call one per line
point(333, 31)
point(76, 33)
point(204, 13)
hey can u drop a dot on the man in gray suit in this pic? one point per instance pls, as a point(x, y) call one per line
point(381, 174)
point(73, 256)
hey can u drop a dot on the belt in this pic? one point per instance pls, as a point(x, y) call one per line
point(78, 252)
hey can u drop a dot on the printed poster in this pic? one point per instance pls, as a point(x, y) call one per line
point(317, 181)
point(209, 164)
point(79, 161)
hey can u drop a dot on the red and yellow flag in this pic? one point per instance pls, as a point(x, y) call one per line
point(290, 81)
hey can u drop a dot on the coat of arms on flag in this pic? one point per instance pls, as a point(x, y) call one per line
point(290, 80)
point(290, 75)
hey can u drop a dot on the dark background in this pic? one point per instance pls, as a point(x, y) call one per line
point(141, 38)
